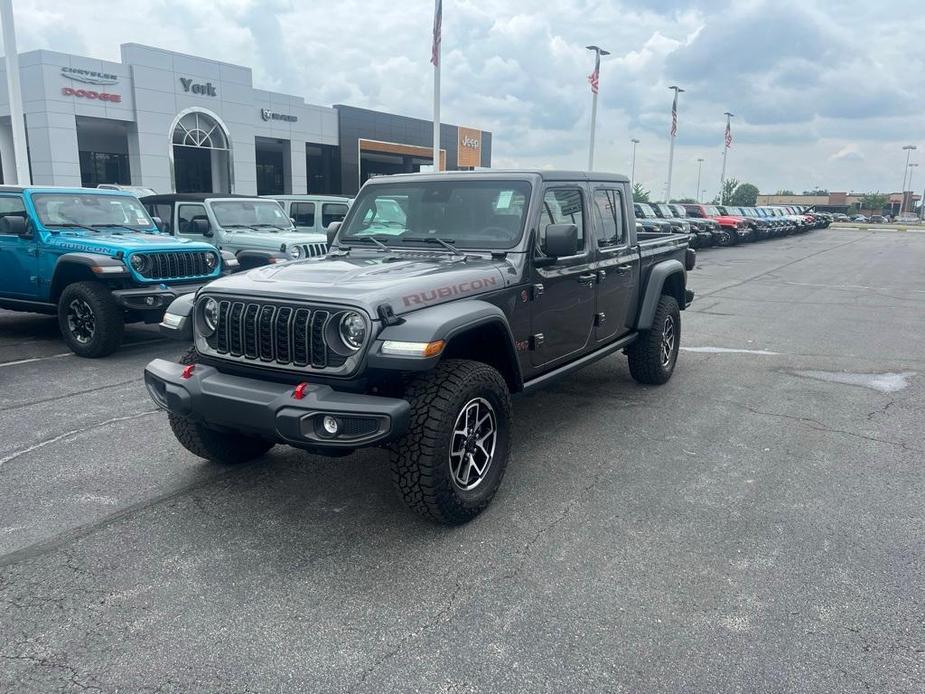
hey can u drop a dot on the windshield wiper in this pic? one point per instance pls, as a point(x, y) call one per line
point(239, 226)
point(364, 239)
point(116, 226)
point(271, 226)
point(446, 243)
point(71, 225)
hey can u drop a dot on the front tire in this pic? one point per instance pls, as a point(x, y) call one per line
point(225, 447)
point(90, 321)
point(450, 463)
point(653, 356)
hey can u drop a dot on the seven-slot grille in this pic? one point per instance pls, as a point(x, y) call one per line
point(291, 336)
point(170, 265)
point(314, 250)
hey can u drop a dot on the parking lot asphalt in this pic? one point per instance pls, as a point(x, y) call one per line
point(754, 525)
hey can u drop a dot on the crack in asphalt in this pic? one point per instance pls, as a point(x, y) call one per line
point(39, 661)
point(73, 432)
point(60, 397)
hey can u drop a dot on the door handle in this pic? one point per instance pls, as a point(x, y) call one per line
point(586, 279)
point(623, 268)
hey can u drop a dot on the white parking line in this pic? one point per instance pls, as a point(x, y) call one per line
point(726, 350)
point(35, 359)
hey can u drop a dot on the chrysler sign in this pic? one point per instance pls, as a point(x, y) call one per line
point(89, 76)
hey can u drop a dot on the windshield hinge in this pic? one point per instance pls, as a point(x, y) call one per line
point(387, 315)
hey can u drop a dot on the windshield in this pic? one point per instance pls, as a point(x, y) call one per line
point(263, 215)
point(666, 210)
point(713, 211)
point(474, 214)
point(90, 210)
point(678, 210)
point(645, 210)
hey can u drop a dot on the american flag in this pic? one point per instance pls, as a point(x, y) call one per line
point(438, 31)
point(674, 115)
point(728, 135)
point(595, 77)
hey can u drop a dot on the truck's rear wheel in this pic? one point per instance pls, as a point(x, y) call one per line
point(90, 321)
point(450, 463)
point(653, 356)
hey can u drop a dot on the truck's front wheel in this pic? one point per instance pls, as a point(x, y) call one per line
point(91, 323)
point(450, 463)
point(226, 447)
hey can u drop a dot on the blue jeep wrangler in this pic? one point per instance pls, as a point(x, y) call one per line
point(96, 259)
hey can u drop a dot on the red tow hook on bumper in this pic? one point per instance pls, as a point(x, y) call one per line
point(300, 390)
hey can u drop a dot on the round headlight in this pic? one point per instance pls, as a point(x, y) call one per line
point(352, 330)
point(209, 317)
point(139, 263)
point(294, 252)
point(211, 260)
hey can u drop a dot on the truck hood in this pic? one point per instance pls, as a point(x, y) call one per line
point(727, 220)
point(367, 280)
point(109, 242)
point(270, 240)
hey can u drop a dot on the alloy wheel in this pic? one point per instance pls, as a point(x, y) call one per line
point(668, 340)
point(81, 321)
point(472, 447)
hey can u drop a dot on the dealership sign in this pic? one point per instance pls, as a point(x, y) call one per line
point(91, 94)
point(89, 76)
point(267, 114)
point(469, 150)
point(202, 89)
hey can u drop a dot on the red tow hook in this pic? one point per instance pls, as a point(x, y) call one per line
point(187, 371)
point(300, 391)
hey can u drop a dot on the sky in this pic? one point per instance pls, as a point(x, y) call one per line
point(825, 93)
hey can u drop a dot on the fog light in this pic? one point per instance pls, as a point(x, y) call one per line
point(150, 300)
point(331, 425)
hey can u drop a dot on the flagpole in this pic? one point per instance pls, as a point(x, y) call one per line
point(20, 154)
point(435, 59)
point(674, 134)
point(722, 176)
point(594, 79)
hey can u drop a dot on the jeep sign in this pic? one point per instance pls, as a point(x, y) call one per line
point(469, 150)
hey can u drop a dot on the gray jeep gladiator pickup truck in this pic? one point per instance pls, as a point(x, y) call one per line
point(416, 328)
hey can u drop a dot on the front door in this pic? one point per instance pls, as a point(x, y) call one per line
point(186, 213)
point(617, 265)
point(563, 293)
point(19, 261)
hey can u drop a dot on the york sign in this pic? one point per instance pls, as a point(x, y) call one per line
point(202, 89)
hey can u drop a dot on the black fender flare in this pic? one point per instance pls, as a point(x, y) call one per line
point(256, 258)
point(657, 278)
point(181, 327)
point(444, 322)
point(101, 267)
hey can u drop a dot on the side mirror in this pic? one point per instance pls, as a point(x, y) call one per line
point(13, 225)
point(159, 223)
point(332, 230)
point(200, 226)
point(561, 240)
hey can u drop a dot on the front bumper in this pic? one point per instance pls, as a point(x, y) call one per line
point(272, 411)
point(153, 298)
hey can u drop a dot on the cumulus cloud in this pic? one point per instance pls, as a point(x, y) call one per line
point(813, 84)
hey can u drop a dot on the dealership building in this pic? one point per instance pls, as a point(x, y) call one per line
point(178, 123)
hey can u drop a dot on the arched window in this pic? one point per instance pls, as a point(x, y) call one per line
point(199, 130)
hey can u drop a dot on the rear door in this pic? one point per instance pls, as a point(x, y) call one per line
point(303, 215)
point(19, 256)
point(616, 267)
point(563, 306)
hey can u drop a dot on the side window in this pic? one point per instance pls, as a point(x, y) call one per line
point(12, 206)
point(332, 212)
point(303, 213)
point(164, 211)
point(186, 214)
point(563, 206)
point(609, 206)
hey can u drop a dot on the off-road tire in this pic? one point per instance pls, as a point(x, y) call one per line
point(227, 448)
point(420, 460)
point(725, 239)
point(108, 319)
point(646, 356)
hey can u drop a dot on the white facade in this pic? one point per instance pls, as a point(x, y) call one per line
point(74, 104)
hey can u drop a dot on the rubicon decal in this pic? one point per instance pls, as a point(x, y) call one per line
point(448, 291)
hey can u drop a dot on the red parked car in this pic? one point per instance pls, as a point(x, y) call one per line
point(736, 227)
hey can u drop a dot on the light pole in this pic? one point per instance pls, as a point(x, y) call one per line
point(699, 171)
point(633, 167)
point(18, 125)
point(902, 191)
point(727, 143)
point(674, 134)
point(594, 78)
point(909, 184)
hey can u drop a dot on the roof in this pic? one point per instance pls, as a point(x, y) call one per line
point(191, 197)
point(63, 189)
point(308, 197)
point(542, 174)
